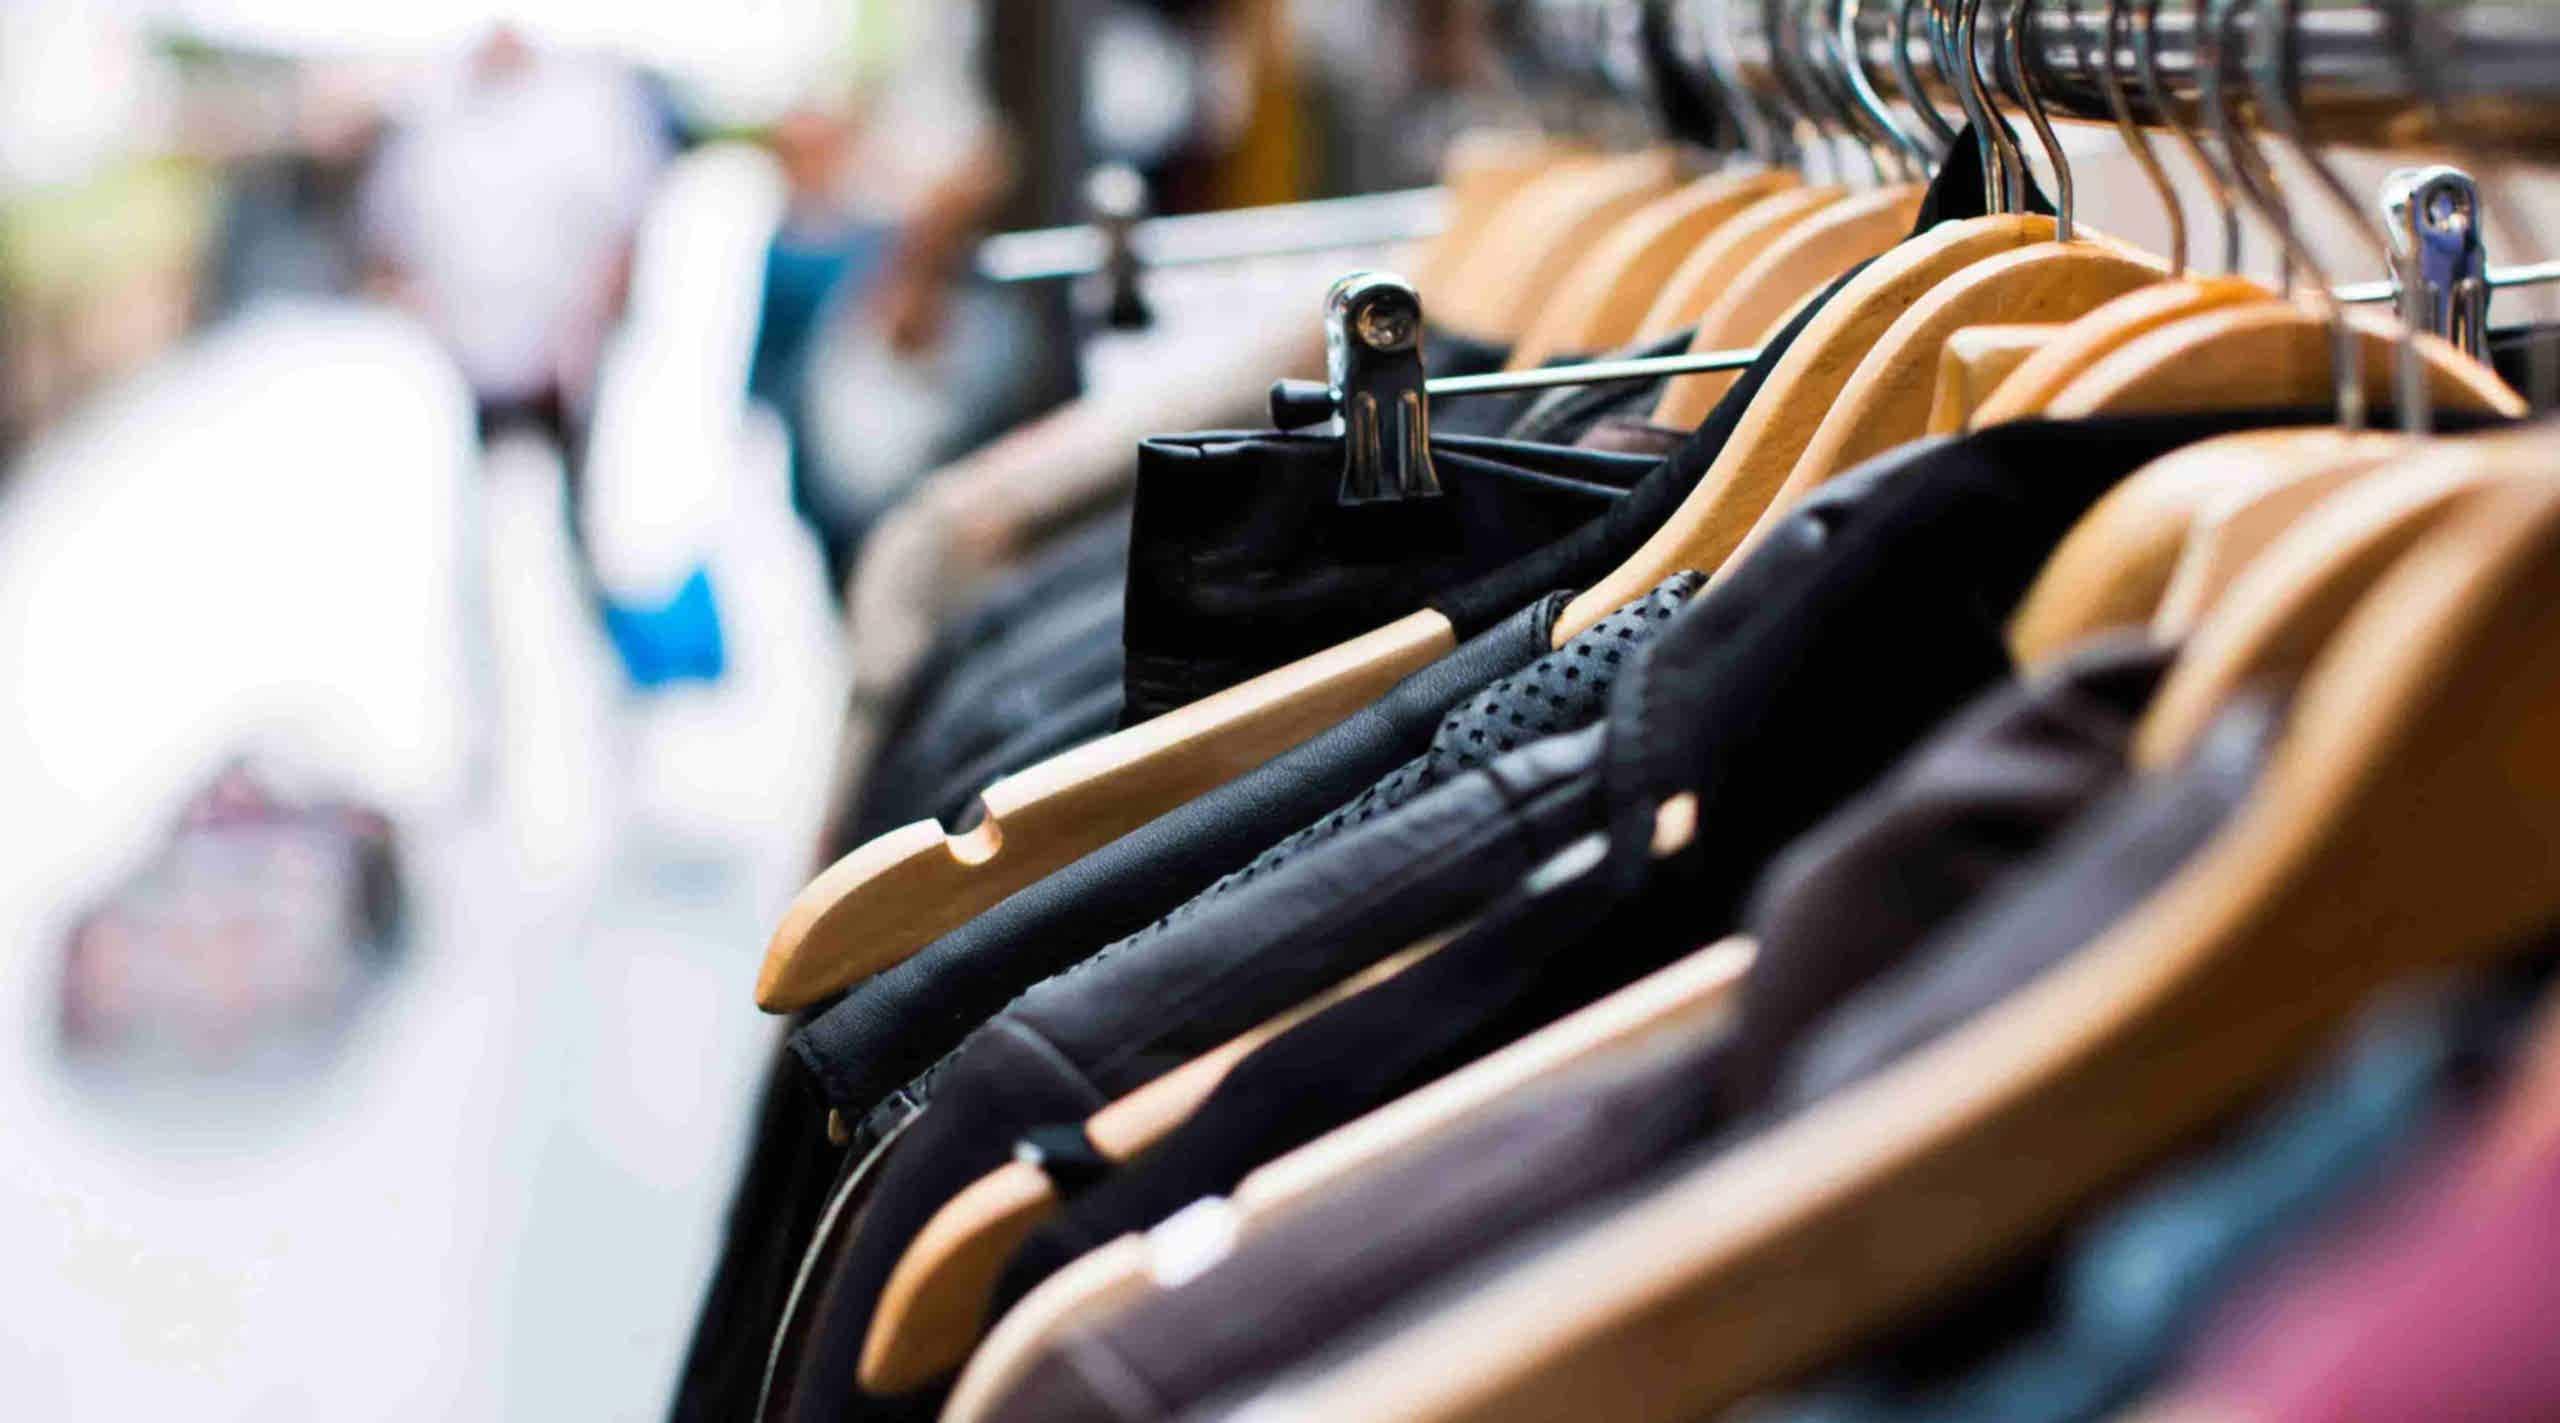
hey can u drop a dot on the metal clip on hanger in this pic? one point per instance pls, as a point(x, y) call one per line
point(2434, 221)
point(1116, 194)
point(1373, 390)
point(1379, 400)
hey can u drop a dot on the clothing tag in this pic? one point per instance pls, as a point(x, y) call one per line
point(1189, 1242)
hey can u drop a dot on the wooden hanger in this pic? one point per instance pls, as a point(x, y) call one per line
point(934, 1305)
point(1800, 391)
point(1709, 270)
point(2114, 568)
point(1605, 296)
point(1541, 231)
point(1974, 363)
point(2301, 468)
point(1681, 997)
point(2080, 344)
point(2408, 821)
point(1794, 266)
point(1886, 400)
point(892, 896)
point(899, 892)
point(2283, 607)
point(2245, 356)
point(1483, 169)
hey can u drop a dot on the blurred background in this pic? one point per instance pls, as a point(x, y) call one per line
point(431, 440)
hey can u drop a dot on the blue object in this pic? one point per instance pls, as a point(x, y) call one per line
point(675, 642)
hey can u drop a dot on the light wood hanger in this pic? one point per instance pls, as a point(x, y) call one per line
point(899, 892)
point(2408, 821)
point(934, 1305)
point(2243, 356)
point(2301, 469)
point(1886, 400)
point(1792, 267)
point(1707, 272)
point(1537, 236)
point(1974, 363)
point(892, 896)
point(1470, 310)
point(1800, 391)
point(1605, 296)
point(2285, 605)
point(1483, 169)
point(2113, 569)
point(2079, 345)
point(1682, 997)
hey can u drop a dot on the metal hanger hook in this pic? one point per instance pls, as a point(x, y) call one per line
point(2110, 78)
point(1906, 77)
point(2021, 15)
point(2146, 59)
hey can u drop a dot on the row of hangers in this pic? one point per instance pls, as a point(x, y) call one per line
point(2117, 329)
point(2406, 583)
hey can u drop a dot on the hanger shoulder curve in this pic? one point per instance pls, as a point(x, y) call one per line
point(1792, 267)
point(1886, 401)
point(2417, 768)
point(1605, 296)
point(1733, 493)
point(1976, 360)
point(2114, 566)
point(2079, 345)
point(2286, 604)
point(1537, 235)
point(1482, 170)
point(2299, 469)
point(1706, 272)
point(892, 896)
point(2270, 355)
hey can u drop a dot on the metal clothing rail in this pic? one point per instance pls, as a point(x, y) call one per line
point(1281, 229)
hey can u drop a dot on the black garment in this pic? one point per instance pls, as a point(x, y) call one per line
point(777, 1202)
point(891, 1026)
point(1086, 560)
point(1536, 1168)
point(1872, 612)
point(1243, 558)
point(1039, 667)
point(1346, 892)
point(897, 1023)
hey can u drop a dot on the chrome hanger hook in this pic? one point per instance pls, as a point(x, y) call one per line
point(1910, 156)
point(2146, 60)
point(2346, 354)
point(1907, 78)
point(2137, 142)
point(2008, 179)
point(2021, 14)
point(2274, 74)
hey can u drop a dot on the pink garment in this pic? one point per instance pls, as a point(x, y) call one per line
point(2441, 1309)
